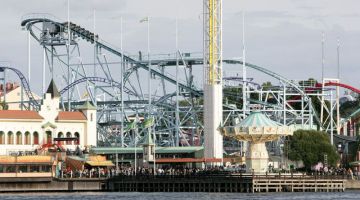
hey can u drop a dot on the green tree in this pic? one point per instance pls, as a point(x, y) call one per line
point(310, 82)
point(266, 85)
point(4, 106)
point(310, 146)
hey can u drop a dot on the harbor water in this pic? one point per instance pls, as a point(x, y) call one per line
point(180, 196)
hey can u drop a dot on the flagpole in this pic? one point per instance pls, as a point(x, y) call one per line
point(149, 65)
point(135, 150)
point(29, 57)
point(244, 70)
point(95, 55)
point(122, 82)
point(68, 54)
point(135, 134)
point(177, 85)
point(322, 56)
point(122, 101)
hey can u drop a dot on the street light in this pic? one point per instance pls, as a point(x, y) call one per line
point(340, 151)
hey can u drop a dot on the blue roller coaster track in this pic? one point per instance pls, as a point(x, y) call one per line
point(87, 35)
point(25, 85)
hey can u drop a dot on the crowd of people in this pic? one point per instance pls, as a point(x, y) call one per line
point(139, 171)
point(339, 171)
point(103, 172)
point(168, 170)
point(87, 173)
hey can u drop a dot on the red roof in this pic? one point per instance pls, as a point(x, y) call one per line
point(19, 114)
point(66, 115)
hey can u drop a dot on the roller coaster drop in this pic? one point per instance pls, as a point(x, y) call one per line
point(97, 79)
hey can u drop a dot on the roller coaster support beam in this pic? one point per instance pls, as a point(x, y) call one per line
point(335, 82)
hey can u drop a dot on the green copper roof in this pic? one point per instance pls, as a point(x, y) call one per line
point(48, 124)
point(257, 119)
point(87, 106)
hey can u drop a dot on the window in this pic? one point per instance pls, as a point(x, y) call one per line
point(60, 135)
point(10, 169)
point(77, 135)
point(68, 135)
point(2, 137)
point(22, 169)
point(18, 137)
point(34, 168)
point(91, 117)
point(10, 138)
point(27, 138)
point(48, 137)
point(36, 137)
point(45, 168)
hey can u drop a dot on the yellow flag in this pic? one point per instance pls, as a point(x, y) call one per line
point(144, 19)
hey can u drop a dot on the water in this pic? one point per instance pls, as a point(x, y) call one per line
point(180, 196)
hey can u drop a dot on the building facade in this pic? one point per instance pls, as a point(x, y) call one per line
point(12, 94)
point(27, 130)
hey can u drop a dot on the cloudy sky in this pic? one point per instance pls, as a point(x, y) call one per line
point(282, 35)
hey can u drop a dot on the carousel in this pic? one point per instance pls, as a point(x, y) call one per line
point(257, 129)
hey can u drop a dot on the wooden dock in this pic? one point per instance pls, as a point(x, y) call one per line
point(245, 183)
point(298, 184)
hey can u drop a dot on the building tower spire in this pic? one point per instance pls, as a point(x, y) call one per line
point(52, 89)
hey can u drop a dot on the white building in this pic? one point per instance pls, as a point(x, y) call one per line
point(12, 94)
point(26, 130)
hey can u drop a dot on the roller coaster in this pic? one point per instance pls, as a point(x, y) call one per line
point(120, 103)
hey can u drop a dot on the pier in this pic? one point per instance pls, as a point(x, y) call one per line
point(246, 183)
point(225, 183)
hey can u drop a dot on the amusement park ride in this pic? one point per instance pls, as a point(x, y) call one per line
point(122, 97)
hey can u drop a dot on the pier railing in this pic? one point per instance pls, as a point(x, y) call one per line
point(299, 176)
point(234, 176)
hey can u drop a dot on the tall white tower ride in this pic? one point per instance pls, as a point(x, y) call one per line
point(213, 96)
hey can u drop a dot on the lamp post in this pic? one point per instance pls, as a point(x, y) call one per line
point(340, 151)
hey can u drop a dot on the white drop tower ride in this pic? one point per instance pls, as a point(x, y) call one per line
point(213, 96)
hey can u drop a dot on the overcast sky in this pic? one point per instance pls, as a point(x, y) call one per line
point(282, 35)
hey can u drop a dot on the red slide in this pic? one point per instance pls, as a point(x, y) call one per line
point(340, 85)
